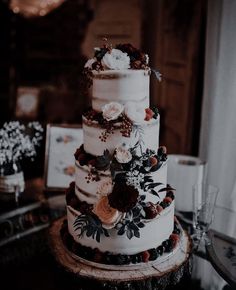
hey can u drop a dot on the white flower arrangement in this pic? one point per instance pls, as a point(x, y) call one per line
point(18, 141)
point(112, 111)
point(116, 59)
point(135, 112)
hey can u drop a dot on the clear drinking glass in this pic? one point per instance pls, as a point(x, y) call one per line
point(204, 200)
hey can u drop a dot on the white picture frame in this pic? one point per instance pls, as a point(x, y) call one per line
point(61, 144)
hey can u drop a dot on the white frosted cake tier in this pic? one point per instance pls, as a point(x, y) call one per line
point(148, 131)
point(151, 236)
point(88, 192)
point(120, 86)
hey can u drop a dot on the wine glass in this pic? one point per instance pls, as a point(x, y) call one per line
point(204, 200)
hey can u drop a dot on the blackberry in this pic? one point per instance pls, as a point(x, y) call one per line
point(153, 254)
point(120, 259)
point(170, 194)
point(176, 231)
point(164, 204)
point(134, 259)
point(160, 250)
point(167, 245)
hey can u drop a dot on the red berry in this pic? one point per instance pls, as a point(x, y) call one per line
point(175, 239)
point(167, 199)
point(150, 210)
point(145, 256)
point(153, 160)
point(98, 256)
point(92, 162)
point(149, 114)
point(82, 159)
point(159, 208)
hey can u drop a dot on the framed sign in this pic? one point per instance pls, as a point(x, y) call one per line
point(61, 144)
point(27, 102)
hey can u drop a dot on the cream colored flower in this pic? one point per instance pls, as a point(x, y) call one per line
point(108, 215)
point(135, 112)
point(123, 155)
point(112, 111)
point(116, 59)
point(105, 187)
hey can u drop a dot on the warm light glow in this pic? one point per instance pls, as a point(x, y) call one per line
point(34, 8)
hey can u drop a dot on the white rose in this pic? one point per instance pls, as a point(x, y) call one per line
point(135, 112)
point(123, 155)
point(116, 59)
point(89, 63)
point(112, 111)
point(105, 187)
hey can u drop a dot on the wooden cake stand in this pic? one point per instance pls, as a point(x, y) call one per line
point(154, 276)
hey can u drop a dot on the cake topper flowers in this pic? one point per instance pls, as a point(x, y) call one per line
point(116, 59)
point(121, 57)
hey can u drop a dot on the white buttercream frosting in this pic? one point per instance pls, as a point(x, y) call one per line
point(135, 112)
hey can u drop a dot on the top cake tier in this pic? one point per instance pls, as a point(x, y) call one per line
point(121, 86)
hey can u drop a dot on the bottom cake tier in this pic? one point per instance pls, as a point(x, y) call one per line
point(94, 256)
point(156, 236)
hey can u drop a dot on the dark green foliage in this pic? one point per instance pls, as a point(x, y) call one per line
point(91, 226)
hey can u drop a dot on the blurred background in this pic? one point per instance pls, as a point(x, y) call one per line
point(44, 45)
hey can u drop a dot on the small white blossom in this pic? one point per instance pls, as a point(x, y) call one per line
point(116, 59)
point(134, 178)
point(18, 141)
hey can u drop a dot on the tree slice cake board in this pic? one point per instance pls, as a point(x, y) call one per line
point(168, 269)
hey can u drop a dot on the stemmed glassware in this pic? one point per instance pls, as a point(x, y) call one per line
point(204, 200)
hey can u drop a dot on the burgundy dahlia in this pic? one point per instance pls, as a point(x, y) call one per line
point(123, 197)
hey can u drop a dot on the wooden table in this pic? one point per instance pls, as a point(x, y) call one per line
point(150, 276)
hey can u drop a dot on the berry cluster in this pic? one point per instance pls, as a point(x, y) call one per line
point(126, 126)
point(108, 258)
point(105, 134)
point(152, 210)
point(92, 176)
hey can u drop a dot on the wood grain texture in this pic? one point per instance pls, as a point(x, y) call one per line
point(166, 273)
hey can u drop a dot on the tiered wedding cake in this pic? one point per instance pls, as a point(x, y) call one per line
point(120, 211)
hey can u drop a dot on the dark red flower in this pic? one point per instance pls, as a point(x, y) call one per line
point(131, 51)
point(123, 197)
